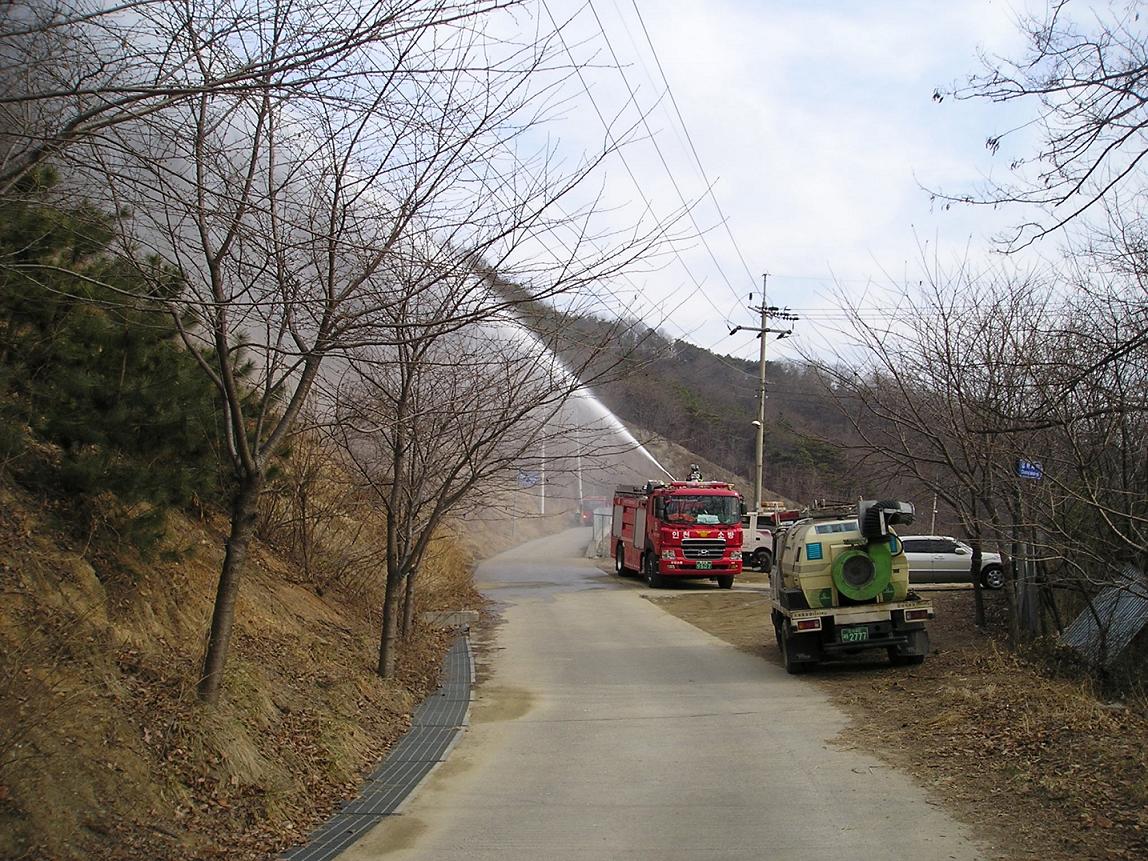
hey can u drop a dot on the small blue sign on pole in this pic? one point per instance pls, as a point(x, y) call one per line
point(528, 478)
point(1030, 469)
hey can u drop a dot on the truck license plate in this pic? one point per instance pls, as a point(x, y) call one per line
point(854, 635)
point(705, 565)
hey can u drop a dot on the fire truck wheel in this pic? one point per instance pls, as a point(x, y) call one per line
point(619, 561)
point(725, 581)
point(650, 568)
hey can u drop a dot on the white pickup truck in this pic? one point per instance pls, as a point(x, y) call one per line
point(757, 528)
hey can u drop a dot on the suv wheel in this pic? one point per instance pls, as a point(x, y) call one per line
point(992, 578)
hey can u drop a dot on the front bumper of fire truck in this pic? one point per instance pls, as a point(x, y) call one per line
point(673, 562)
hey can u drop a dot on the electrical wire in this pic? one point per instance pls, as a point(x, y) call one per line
point(693, 149)
point(614, 142)
point(689, 209)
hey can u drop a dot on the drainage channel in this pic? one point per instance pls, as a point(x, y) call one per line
point(435, 727)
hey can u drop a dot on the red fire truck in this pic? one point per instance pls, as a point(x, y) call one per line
point(588, 506)
point(687, 529)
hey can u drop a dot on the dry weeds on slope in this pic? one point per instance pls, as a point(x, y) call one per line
point(105, 751)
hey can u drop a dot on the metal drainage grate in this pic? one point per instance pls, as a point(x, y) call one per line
point(435, 726)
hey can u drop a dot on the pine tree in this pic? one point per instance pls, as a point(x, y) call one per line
point(91, 365)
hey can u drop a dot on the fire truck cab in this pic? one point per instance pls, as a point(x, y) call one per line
point(680, 530)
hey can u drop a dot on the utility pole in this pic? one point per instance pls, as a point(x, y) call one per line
point(766, 312)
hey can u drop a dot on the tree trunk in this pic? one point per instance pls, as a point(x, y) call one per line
point(1011, 602)
point(244, 509)
point(305, 535)
point(388, 642)
point(978, 595)
point(409, 604)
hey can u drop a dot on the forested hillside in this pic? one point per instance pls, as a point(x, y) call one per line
point(707, 402)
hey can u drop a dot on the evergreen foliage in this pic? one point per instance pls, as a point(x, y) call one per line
point(97, 394)
point(707, 402)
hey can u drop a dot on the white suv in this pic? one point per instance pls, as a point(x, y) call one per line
point(942, 559)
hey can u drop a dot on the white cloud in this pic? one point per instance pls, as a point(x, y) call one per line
point(816, 122)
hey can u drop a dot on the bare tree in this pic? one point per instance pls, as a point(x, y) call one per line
point(1088, 85)
point(72, 70)
point(927, 393)
point(984, 370)
point(437, 422)
point(289, 184)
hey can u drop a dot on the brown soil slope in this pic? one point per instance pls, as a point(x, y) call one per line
point(105, 752)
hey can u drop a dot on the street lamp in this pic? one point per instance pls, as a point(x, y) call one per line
point(757, 462)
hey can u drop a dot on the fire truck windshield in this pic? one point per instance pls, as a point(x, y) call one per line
point(703, 510)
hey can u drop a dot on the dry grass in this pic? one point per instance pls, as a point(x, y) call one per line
point(105, 751)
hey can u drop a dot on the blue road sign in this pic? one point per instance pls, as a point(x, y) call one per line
point(528, 478)
point(1030, 469)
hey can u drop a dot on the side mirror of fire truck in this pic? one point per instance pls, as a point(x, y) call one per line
point(741, 507)
point(660, 509)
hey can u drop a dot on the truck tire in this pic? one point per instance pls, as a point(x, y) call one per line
point(650, 569)
point(724, 581)
point(763, 560)
point(620, 561)
point(913, 652)
point(792, 666)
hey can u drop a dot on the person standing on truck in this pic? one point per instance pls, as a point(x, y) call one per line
point(695, 472)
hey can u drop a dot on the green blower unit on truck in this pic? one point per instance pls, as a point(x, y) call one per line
point(840, 585)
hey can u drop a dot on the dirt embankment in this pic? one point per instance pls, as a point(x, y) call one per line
point(1041, 766)
point(105, 751)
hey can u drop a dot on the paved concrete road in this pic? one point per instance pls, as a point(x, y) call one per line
point(607, 729)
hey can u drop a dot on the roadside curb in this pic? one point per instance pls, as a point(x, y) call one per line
point(436, 727)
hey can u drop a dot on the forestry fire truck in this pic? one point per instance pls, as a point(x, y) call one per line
point(684, 529)
point(841, 585)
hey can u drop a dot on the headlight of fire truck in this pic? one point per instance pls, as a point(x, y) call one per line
point(669, 554)
point(735, 555)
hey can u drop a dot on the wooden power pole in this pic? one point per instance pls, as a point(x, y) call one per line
point(766, 312)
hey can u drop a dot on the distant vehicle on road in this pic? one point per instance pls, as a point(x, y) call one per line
point(588, 506)
point(944, 559)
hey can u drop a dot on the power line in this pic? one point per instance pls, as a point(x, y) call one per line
point(657, 148)
point(693, 149)
point(614, 142)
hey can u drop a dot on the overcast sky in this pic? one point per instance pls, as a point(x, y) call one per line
point(816, 125)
